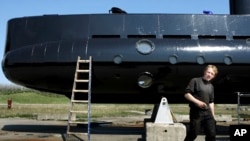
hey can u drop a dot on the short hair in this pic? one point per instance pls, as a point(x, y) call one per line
point(213, 67)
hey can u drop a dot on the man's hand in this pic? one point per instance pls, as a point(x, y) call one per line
point(197, 102)
point(201, 104)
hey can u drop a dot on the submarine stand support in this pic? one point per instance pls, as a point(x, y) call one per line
point(81, 86)
point(164, 128)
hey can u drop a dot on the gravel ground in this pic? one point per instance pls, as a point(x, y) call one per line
point(106, 129)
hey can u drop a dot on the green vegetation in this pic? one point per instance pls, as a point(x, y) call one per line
point(29, 103)
point(20, 95)
point(33, 98)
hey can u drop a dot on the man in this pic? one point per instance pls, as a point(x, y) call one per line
point(200, 94)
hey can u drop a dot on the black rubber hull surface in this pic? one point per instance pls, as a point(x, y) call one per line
point(41, 53)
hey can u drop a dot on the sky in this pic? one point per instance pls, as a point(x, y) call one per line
point(19, 8)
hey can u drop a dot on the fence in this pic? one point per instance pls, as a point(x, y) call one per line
point(239, 103)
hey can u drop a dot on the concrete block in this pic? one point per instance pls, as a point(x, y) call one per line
point(165, 131)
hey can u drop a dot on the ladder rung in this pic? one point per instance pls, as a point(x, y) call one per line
point(83, 91)
point(79, 101)
point(82, 70)
point(77, 80)
point(77, 122)
point(83, 61)
point(83, 112)
point(72, 133)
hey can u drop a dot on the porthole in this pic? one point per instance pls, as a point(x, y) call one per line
point(200, 60)
point(228, 60)
point(117, 59)
point(248, 41)
point(172, 59)
point(145, 80)
point(145, 46)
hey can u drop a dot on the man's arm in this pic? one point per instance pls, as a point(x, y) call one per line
point(194, 100)
point(211, 105)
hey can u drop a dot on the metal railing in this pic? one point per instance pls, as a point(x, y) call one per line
point(239, 104)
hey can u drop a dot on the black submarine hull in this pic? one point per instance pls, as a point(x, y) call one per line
point(170, 49)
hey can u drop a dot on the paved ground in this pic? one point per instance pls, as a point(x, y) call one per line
point(33, 130)
point(119, 129)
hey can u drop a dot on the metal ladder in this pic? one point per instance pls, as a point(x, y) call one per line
point(82, 88)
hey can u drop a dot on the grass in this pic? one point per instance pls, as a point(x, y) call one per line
point(33, 98)
point(29, 104)
point(97, 110)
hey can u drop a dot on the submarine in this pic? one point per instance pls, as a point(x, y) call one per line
point(137, 58)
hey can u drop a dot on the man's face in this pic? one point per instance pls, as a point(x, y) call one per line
point(209, 74)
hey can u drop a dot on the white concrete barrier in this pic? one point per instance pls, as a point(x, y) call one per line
point(165, 131)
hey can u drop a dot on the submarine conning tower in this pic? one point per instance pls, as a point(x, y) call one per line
point(239, 7)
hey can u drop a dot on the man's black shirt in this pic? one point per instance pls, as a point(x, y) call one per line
point(200, 89)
